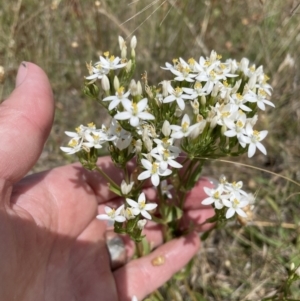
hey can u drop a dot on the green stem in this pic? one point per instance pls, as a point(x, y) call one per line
point(110, 180)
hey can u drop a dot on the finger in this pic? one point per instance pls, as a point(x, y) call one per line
point(142, 276)
point(195, 219)
point(25, 121)
point(197, 194)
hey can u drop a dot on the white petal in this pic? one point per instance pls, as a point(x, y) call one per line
point(132, 203)
point(181, 103)
point(146, 214)
point(155, 179)
point(144, 175)
point(251, 150)
point(122, 116)
point(146, 116)
point(261, 148)
point(134, 121)
point(142, 104)
point(230, 212)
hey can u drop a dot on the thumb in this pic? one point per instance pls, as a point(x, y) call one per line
point(25, 122)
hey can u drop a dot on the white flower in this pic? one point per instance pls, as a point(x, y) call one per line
point(235, 205)
point(119, 97)
point(259, 98)
point(110, 62)
point(198, 91)
point(166, 158)
point(141, 224)
point(123, 138)
point(239, 101)
point(96, 72)
point(153, 171)
point(177, 94)
point(74, 146)
point(253, 139)
point(185, 129)
point(214, 197)
point(126, 188)
point(134, 112)
point(96, 139)
point(165, 188)
point(140, 207)
point(112, 214)
point(238, 129)
point(236, 187)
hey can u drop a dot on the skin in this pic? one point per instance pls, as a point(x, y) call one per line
point(52, 246)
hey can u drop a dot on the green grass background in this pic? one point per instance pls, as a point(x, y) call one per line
point(235, 263)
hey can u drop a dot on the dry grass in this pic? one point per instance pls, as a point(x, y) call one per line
point(235, 263)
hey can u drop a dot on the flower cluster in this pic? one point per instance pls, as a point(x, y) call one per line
point(208, 110)
point(122, 214)
point(229, 196)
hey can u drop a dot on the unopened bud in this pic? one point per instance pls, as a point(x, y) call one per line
point(166, 130)
point(116, 83)
point(133, 42)
point(148, 144)
point(132, 53)
point(128, 66)
point(165, 88)
point(138, 146)
point(215, 90)
point(141, 224)
point(178, 112)
point(122, 43)
point(203, 100)
point(105, 83)
point(126, 188)
point(133, 87)
point(139, 88)
point(124, 53)
point(223, 129)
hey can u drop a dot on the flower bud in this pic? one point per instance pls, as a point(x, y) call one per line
point(139, 88)
point(203, 100)
point(133, 87)
point(165, 88)
point(128, 66)
point(178, 112)
point(223, 129)
point(141, 224)
point(126, 188)
point(122, 43)
point(116, 83)
point(124, 53)
point(105, 83)
point(133, 42)
point(166, 130)
point(138, 146)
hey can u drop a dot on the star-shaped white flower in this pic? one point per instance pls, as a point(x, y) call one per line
point(215, 197)
point(112, 214)
point(116, 99)
point(235, 205)
point(253, 139)
point(140, 207)
point(134, 112)
point(153, 171)
point(185, 129)
point(177, 94)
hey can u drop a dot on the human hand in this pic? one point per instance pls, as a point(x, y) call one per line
point(51, 245)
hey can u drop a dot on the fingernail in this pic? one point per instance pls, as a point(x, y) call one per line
point(116, 249)
point(21, 75)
